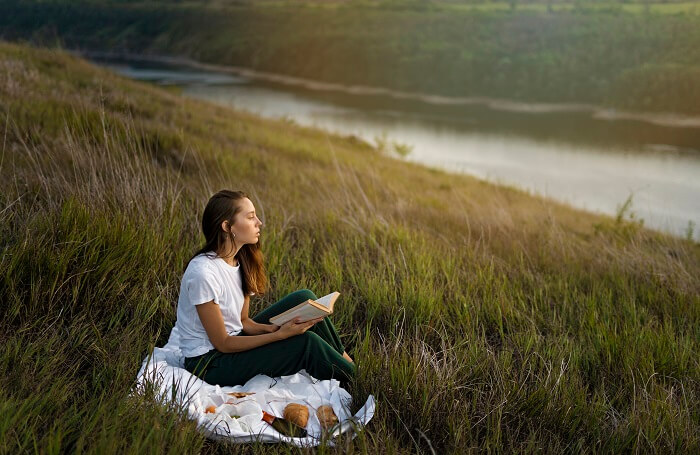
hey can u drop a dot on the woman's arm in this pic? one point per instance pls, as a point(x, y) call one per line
point(213, 322)
point(251, 327)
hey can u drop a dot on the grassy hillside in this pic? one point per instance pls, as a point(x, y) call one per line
point(625, 56)
point(480, 317)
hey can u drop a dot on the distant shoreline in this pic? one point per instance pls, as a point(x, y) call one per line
point(667, 119)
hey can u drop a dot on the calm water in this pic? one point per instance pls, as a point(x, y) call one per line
point(573, 157)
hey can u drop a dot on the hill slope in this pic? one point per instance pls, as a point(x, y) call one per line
point(479, 315)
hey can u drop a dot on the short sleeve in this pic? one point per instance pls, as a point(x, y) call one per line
point(202, 288)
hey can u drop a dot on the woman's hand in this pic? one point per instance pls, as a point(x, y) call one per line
point(294, 327)
point(251, 327)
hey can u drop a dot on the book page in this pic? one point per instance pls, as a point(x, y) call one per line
point(305, 312)
point(325, 300)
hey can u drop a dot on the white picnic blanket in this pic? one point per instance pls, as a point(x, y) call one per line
point(164, 369)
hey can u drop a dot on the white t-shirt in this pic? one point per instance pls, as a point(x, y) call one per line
point(208, 277)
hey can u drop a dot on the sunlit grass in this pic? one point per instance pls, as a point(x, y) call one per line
point(480, 317)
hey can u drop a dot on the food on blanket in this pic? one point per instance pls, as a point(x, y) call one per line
point(284, 426)
point(297, 413)
point(210, 409)
point(326, 416)
point(240, 394)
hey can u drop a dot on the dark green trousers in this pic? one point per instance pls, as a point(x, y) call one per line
point(318, 350)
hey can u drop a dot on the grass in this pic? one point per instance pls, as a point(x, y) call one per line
point(482, 318)
point(629, 6)
point(554, 6)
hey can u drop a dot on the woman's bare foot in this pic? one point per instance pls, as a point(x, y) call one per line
point(345, 354)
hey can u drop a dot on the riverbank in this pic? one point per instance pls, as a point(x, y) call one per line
point(668, 119)
point(631, 61)
point(594, 165)
point(480, 317)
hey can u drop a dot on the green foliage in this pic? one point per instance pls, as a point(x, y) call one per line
point(627, 56)
point(646, 86)
point(480, 317)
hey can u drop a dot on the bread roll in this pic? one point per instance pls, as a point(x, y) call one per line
point(326, 416)
point(297, 413)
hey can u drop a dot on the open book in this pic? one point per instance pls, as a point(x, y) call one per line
point(310, 309)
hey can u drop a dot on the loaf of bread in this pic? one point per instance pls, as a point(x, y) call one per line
point(326, 416)
point(296, 413)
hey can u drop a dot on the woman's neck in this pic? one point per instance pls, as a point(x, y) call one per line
point(232, 250)
point(230, 260)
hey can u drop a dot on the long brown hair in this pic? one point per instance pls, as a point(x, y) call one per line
point(221, 207)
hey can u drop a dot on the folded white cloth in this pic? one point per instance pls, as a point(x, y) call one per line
point(164, 369)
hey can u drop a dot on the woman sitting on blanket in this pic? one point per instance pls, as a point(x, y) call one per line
point(212, 311)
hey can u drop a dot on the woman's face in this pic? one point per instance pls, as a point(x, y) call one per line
point(246, 224)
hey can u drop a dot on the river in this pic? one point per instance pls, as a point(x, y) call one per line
point(590, 160)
